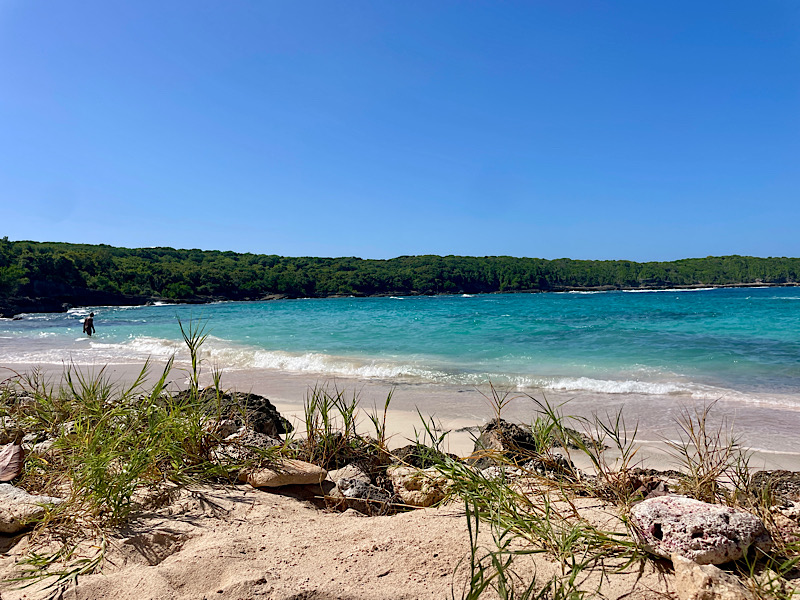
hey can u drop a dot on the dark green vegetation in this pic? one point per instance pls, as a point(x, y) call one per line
point(58, 270)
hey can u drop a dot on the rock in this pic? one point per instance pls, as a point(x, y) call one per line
point(351, 472)
point(8, 430)
point(18, 507)
point(705, 533)
point(354, 490)
point(783, 485)
point(287, 472)
point(240, 446)
point(785, 528)
point(360, 495)
point(706, 582)
point(514, 441)
point(418, 487)
point(418, 456)
point(255, 411)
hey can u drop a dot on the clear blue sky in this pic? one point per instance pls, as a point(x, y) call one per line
point(639, 130)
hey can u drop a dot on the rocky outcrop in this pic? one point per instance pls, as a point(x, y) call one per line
point(48, 296)
point(514, 441)
point(421, 457)
point(702, 532)
point(418, 487)
point(706, 582)
point(18, 508)
point(783, 486)
point(237, 409)
point(287, 472)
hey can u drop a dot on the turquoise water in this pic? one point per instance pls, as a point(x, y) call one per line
point(742, 343)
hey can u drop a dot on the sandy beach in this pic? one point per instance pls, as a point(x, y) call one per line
point(461, 410)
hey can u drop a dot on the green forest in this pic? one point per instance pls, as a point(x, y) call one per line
point(42, 269)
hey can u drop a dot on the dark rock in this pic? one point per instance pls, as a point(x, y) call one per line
point(514, 441)
point(360, 495)
point(419, 456)
point(256, 412)
point(783, 485)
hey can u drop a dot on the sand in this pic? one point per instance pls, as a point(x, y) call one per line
point(244, 543)
point(241, 543)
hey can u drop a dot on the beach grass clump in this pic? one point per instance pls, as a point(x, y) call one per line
point(332, 438)
point(111, 450)
point(713, 462)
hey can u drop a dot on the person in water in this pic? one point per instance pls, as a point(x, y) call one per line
point(88, 325)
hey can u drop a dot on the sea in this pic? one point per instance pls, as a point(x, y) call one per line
point(654, 352)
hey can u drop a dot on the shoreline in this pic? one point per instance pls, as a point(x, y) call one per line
point(9, 308)
point(462, 409)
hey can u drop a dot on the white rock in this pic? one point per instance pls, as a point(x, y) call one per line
point(706, 582)
point(287, 472)
point(350, 471)
point(18, 507)
point(702, 532)
point(418, 487)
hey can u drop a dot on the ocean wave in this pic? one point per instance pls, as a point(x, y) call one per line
point(705, 289)
point(627, 386)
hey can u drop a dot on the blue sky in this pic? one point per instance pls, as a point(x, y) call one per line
point(637, 130)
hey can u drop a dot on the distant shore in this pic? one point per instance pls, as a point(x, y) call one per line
point(14, 306)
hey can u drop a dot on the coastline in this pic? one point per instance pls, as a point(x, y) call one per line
point(11, 308)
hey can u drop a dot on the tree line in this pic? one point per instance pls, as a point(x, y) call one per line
point(43, 268)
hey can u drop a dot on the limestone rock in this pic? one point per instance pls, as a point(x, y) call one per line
point(706, 582)
point(702, 532)
point(350, 472)
point(418, 487)
point(18, 507)
point(287, 472)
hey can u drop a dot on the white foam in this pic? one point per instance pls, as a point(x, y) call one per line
point(705, 289)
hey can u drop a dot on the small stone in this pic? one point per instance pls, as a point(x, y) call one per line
point(18, 507)
point(351, 471)
point(702, 532)
point(287, 472)
point(706, 582)
point(360, 495)
point(418, 487)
